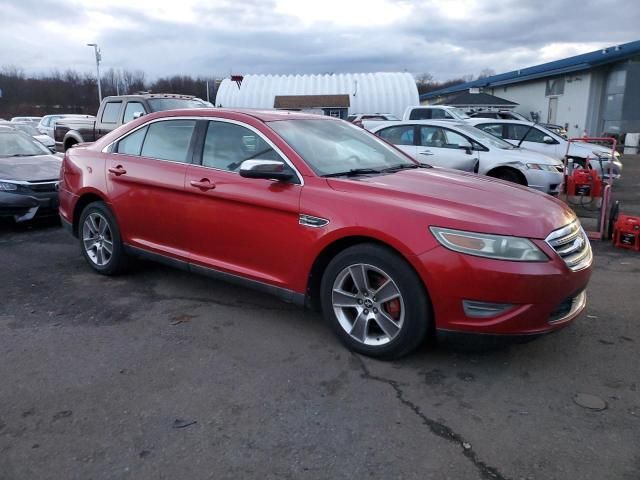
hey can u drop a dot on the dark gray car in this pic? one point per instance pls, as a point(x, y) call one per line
point(28, 177)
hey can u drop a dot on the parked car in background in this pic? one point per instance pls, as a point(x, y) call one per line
point(499, 114)
point(435, 112)
point(30, 130)
point(115, 111)
point(463, 147)
point(534, 136)
point(371, 118)
point(47, 123)
point(28, 177)
point(30, 120)
point(323, 213)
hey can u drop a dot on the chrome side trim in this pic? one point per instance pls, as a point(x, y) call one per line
point(107, 148)
point(311, 221)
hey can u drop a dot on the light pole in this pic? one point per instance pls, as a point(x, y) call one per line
point(98, 58)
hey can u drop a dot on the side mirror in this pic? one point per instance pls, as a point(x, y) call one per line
point(137, 115)
point(466, 146)
point(548, 139)
point(267, 169)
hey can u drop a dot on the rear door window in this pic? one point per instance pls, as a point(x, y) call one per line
point(169, 140)
point(110, 112)
point(400, 135)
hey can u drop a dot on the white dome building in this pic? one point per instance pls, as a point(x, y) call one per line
point(336, 94)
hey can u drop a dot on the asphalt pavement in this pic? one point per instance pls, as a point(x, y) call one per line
point(160, 374)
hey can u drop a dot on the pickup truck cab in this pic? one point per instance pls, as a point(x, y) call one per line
point(435, 112)
point(116, 111)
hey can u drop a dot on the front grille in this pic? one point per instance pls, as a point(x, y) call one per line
point(51, 186)
point(572, 245)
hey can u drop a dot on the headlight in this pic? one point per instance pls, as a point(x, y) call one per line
point(498, 247)
point(542, 166)
point(6, 186)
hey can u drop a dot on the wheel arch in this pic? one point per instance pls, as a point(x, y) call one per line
point(71, 139)
point(506, 168)
point(84, 200)
point(332, 249)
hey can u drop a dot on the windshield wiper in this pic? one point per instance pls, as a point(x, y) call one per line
point(406, 166)
point(353, 172)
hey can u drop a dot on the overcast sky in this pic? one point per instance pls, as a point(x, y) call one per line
point(447, 38)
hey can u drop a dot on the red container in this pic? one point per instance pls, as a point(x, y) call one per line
point(584, 183)
point(626, 233)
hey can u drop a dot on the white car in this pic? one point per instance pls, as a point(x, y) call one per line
point(48, 123)
point(535, 137)
point(435, 112)
point(460, 146)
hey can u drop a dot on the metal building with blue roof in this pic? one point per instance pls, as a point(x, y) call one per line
point(596, 92)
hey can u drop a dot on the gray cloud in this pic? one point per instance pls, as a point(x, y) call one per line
point(250, 37)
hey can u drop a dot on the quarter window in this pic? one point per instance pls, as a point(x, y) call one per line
point(420, 114)
point(110, 112)
point(132, 144)
point(401, 135)
point(227, 145)
point(169, 140)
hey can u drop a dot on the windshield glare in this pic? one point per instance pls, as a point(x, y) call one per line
point(484, 137)
point(163, 104)
point(18, 144)
point(331, 147)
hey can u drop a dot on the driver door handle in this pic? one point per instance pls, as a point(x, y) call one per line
point(426, 152)
point(203, 184)
point(117, 171)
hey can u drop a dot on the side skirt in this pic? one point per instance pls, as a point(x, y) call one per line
point(288, 296)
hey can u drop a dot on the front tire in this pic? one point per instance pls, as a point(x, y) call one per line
point(509, 175)
point(100, 239)
point(375, 302)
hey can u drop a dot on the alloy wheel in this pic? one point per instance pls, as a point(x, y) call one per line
point(368, 304)
point(97, 239)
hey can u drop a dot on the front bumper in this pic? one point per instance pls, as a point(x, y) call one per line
point(537, 294)
point(544, 181)
point(25, 206)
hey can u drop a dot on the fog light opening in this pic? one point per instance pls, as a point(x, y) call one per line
point(476, 309)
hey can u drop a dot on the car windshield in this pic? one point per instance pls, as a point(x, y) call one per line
point(28, 129)
point(163, 104)
point(334, 147)
point(485, 138)
point(458, 112)
point(18, 144)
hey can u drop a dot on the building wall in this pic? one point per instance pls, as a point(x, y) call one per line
point(572, 104)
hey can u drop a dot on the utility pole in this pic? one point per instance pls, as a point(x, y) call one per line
point(98, 59)
point(207, 90)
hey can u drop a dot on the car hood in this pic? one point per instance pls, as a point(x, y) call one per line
point(45, 139)
point(464, 201)
point(31, 169)
point(525, 156)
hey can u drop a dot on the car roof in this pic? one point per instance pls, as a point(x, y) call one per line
point(262, 115)
point(475, 120)
point(435, 123)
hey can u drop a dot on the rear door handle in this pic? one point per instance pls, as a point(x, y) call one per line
point(203, 184)
point(426, 152)
point(117, 171)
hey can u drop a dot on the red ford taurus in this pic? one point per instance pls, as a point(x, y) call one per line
point(324, 214)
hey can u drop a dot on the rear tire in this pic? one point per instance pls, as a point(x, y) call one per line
point(375, 302)
point(100, 240)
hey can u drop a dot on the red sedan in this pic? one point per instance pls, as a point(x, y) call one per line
point(324, 214)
